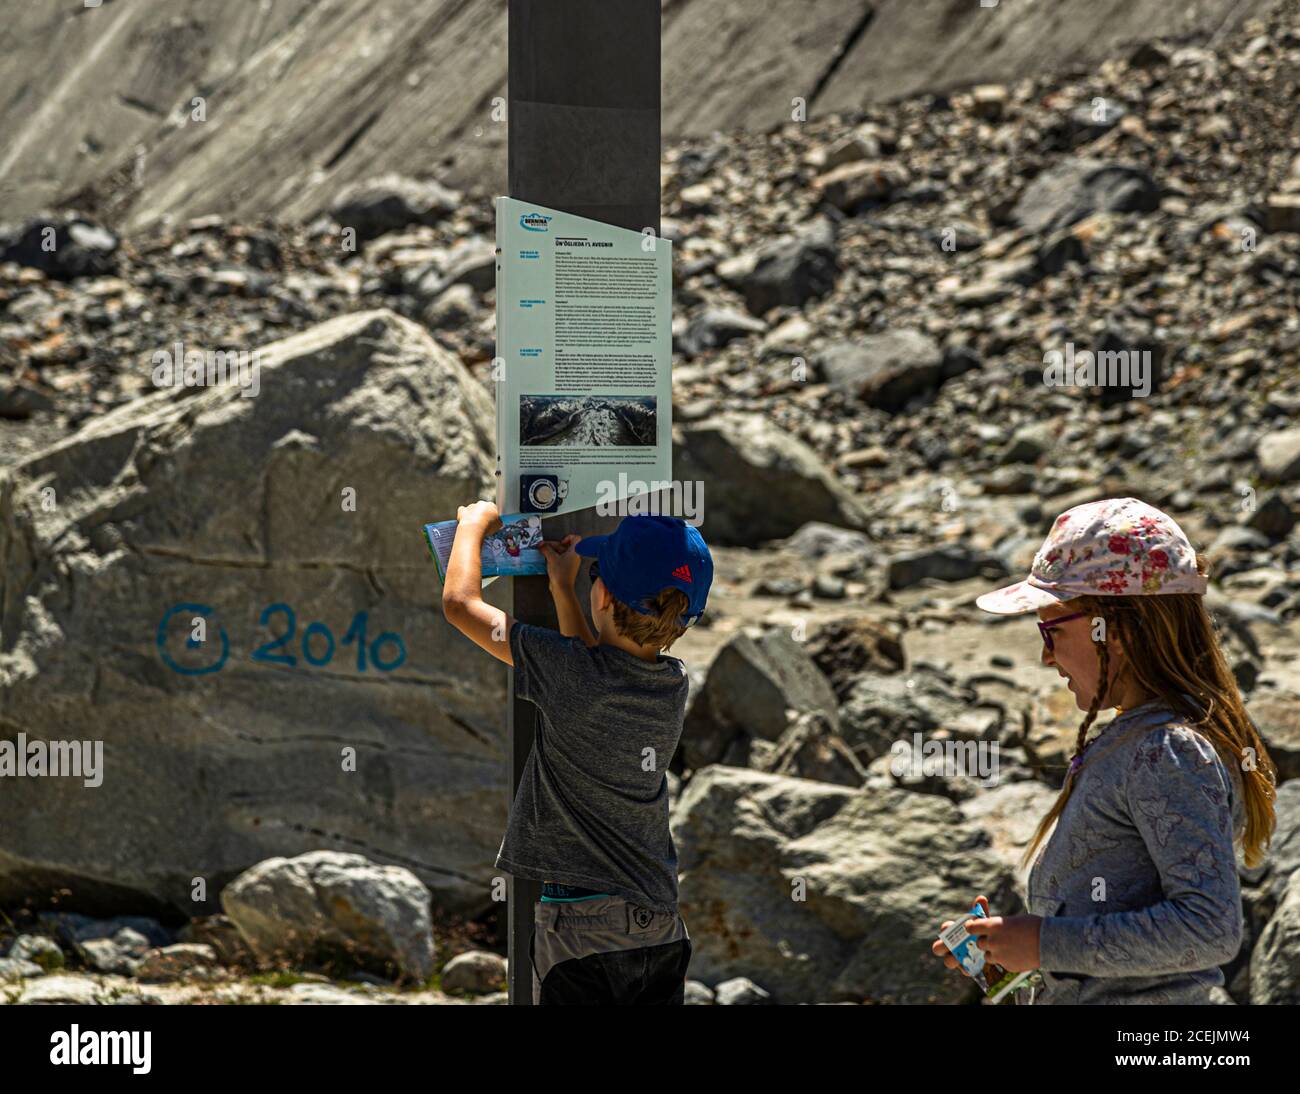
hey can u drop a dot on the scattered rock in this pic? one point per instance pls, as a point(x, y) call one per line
point(1075, 189)
point(336, 904)
point(476, 972)
point(886, 370)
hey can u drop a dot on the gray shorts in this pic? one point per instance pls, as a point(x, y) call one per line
point(607, 950)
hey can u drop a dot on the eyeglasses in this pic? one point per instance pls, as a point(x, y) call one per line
point(595, 570)
point(1045, 628)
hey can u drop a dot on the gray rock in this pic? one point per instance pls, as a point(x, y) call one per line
point(392, 202)
point(884, 370)
point(234, 504)
point(20, 400)
point(875, 865)
point(62, 989)
point(1134, 362)
point(476, 972)
point(472, 263)
point(697, 994)
point(173, 962)
point(1279, 455)
point(37, 948)
point(816, 540)
point(844, 648)
point(1074, 189)
point(1275, 962)
point(949, 562)
point(740, 991)
point(15, 968)
point(789, 271)
point(63, 246)
point(1277, 718)
point(753, 681)
point(105, 955)
point(853, 186)
point(763, 484)
point(1284, 852)
point(450, 310)
point(884, 712)
point(1030, 442)
point(714, 328)
point(328, 903)
point(1272, 516)
point(811, 749)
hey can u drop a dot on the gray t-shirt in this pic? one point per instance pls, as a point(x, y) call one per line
point(592, 805)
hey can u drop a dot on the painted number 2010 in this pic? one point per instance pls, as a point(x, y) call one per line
point(318, 645)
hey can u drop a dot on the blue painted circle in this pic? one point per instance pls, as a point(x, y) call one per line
point(193, 609)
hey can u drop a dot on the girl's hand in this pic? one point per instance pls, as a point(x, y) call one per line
point(482, 515)
point(562, 561)
point(1009, 941)
point(940, 950)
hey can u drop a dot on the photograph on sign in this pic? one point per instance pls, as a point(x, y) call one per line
point(584, 348)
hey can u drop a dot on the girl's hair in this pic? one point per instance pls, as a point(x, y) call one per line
point(1170, 648)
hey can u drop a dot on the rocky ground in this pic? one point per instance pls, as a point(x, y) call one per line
point(864, 306)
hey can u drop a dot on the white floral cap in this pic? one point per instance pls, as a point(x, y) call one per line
point(1115, 547)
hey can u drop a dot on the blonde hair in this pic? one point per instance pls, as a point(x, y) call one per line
point(1171, 651)
point(662, 627)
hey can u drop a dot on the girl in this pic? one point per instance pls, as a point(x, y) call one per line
point(1135, 897)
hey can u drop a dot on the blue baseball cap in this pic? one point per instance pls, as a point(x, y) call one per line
point(645, 555)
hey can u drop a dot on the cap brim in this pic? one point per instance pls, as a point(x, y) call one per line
point(1019, 598)
point(589, 546)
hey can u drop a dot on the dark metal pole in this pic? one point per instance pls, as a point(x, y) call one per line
point(583, 115)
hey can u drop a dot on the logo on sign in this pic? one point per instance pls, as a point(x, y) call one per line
point(534, 222)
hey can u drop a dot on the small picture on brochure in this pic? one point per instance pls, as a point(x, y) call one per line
point(591, 420)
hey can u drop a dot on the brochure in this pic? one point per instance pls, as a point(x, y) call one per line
point(509, 551)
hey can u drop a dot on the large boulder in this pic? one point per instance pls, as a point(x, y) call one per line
point(761, 482)
point(822, 893)
point(330, 905)
point(187, 581)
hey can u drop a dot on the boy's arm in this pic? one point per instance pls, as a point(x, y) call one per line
point(462, 592)
point(573, 624)
point(562, 563)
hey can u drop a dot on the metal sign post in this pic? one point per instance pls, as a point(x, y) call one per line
point(583, 115)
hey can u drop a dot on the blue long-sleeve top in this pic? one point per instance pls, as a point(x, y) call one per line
point(1138, 882)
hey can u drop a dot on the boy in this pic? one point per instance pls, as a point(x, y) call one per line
point(590, 819)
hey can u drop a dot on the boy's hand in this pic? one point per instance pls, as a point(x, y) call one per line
point(562, 561)
point(482, 515)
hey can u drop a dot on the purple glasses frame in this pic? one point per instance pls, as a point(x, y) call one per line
point(1045, 628)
